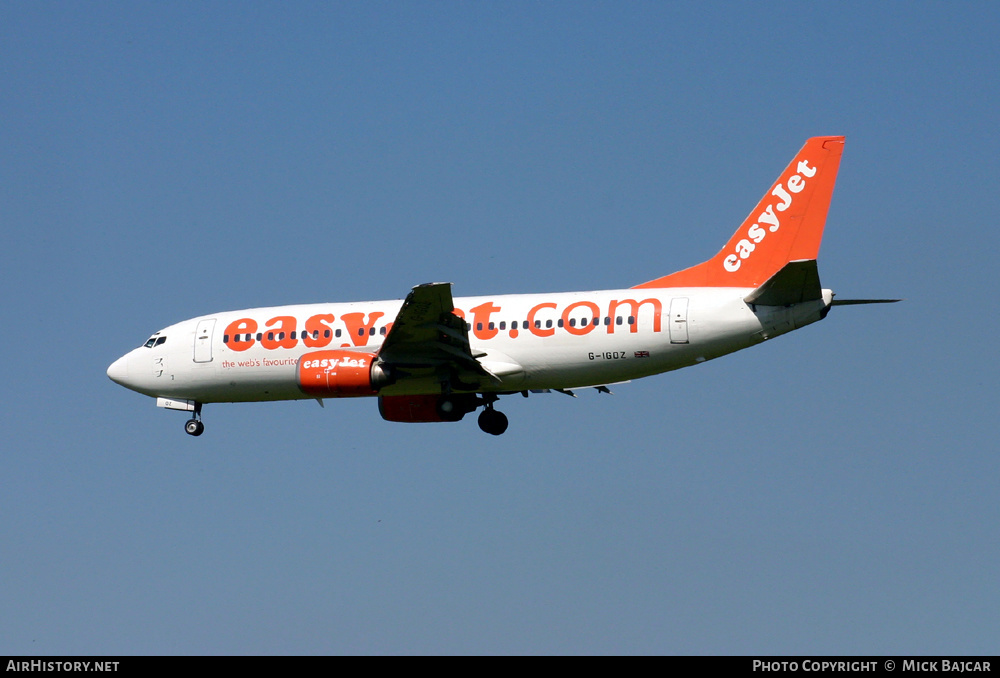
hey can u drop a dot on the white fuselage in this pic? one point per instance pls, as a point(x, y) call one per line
point(536, 341)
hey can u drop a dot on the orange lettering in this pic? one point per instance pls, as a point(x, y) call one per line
point(481, 320)
point(358, 330)
point(318, 333)
point(280, 336)
point(538, 331)
point(240, 333)
point(634, 305)
point(588, 323)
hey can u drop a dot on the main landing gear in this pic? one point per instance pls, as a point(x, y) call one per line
point(490, 420)
point(454, 406)
point(194, 427)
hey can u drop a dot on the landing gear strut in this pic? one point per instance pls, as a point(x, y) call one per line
point(194, 427)
point(491, 421)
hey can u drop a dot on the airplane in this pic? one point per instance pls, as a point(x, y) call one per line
point(436, 358)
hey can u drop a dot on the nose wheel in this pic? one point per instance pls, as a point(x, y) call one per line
point(194, 427)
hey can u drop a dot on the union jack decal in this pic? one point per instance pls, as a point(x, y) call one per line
point(642, 354)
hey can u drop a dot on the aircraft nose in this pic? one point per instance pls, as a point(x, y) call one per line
point(118, 372)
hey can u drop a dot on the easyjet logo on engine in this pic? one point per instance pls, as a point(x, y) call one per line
point(337, 374)
point(769, 216)
point(331, 363)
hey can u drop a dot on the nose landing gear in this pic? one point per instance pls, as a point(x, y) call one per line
point(194, 427)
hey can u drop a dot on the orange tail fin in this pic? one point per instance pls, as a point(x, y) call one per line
point(787, 224)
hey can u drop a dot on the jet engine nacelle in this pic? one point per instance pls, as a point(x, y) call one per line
point(341, 374)
point(426, 408)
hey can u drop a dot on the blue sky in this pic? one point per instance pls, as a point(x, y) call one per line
point(830, 492)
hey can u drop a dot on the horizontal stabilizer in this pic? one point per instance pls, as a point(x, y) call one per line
point(794, 283)
point(854, 302)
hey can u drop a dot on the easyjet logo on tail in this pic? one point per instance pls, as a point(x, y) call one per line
point(769, 216)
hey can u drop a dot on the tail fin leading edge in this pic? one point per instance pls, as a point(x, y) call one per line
point(787, 225)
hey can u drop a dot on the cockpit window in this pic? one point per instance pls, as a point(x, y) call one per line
point(155, 340)
point(159, 342)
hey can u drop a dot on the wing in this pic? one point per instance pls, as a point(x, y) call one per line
point(427, 336)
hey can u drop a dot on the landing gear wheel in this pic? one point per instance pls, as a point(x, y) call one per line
point(194, 427)
point(492, 422)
